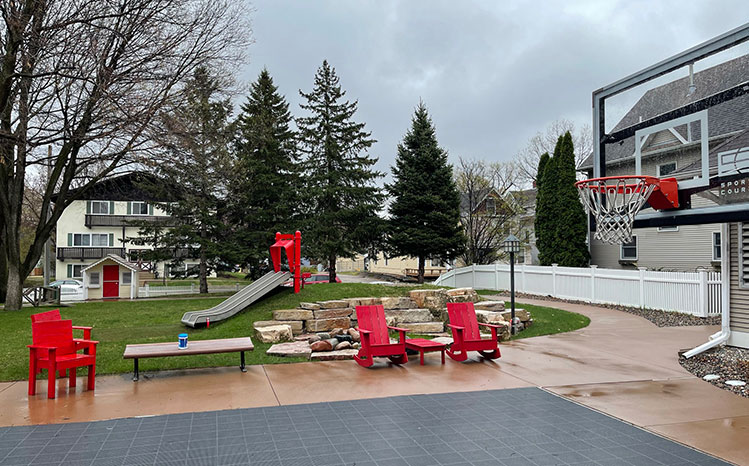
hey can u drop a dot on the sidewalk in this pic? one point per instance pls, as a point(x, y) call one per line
point(621, 365)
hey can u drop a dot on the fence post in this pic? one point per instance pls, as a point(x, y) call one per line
point(593, 283)
point(703, 293)
point(496, 276)
point(554, 280)
point(192, 288)
point(522, 278)
point(473, 276)
point(642, 286)
point(147, 291)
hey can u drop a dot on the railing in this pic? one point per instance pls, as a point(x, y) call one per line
point(97, 220)
point(87, 252)
point(155, 291)
point(696, 293)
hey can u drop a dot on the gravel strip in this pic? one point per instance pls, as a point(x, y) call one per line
point(658, 317)
point(727, 362)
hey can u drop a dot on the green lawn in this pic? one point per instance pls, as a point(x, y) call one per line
point(119, 323)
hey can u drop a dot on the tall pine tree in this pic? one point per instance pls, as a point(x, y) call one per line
point(340, 193)
point(265, 194)
point(425, 212)
point(543, 227)
point(571, 222)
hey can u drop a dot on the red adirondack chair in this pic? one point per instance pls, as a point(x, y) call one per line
point(55, 315)
point(375, 340)
point(55, 349)
point(466, 335)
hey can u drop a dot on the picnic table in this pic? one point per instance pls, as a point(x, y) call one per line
point(160, 350)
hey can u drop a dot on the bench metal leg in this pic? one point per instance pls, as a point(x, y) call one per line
point(135, 370)
point(241, 362)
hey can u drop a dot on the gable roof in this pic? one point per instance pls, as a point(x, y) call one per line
point(127, 187)
point(725, 118)
point(739, 141)
point(117, 259)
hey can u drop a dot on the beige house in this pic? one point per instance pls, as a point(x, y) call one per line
point(110, 278)
point(398, 266)
point(684, 247)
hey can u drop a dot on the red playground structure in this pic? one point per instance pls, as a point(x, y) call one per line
point(293, 246)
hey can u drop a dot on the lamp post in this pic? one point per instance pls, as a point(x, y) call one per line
point(511, 245)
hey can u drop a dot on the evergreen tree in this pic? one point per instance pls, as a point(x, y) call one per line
point(543, 227)
point(425, 212)
point(571, 221)
point(340, 195)
point(197, 137)
point(265, 192)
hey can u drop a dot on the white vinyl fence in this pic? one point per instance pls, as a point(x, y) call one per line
point(156, 291)
point(696, 293)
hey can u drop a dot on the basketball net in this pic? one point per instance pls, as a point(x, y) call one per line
point(614, 202)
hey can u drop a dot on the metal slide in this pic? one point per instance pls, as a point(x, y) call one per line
point(238, 301)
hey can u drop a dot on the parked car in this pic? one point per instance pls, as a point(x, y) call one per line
point(68, 286)
point(319, 278)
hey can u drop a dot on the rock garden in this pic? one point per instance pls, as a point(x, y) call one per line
point(326, 330)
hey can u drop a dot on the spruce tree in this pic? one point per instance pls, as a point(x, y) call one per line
point(340, 193)
point(543, 227)
point(265, 192)
point(571, 221)
point(425, 211)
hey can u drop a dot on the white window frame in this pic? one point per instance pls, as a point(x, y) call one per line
point(132, 207)
point(94, 279)
point(718, 246)
point(670, 229)
point(90, 237)
point(106, 203)
point(658, 168)
point(99, 236)
point(129, 275)
point(637, 251)
point(80, 270)
point(81, 236)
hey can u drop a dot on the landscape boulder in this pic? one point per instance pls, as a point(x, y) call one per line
point(292, 349)
point(308, 337)
point(489, 317)
point(274, 333)
point(292, 314)
point(334, 355)
point(490, 305)
point(324, 325)
point(343, 345)
point(297, 326)
point(333, 304)
point(419, 297)
point(332, 313)
point(400, 316)
point(322, 345)
point(397, 302)
point(309, 306)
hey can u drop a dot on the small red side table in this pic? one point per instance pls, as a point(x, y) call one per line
point(424, 346)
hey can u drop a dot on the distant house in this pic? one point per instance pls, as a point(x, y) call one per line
point(668, 152)
point(101, 226)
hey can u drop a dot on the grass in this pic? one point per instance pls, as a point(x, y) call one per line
point(119, 323)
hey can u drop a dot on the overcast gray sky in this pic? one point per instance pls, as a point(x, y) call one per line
point(492, 73)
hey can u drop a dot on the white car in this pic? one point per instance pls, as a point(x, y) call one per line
point(68, 286)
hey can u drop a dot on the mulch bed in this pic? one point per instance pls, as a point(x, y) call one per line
point(658, 317)
point(727, 362)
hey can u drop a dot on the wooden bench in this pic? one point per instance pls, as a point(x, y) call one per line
point(160, 350)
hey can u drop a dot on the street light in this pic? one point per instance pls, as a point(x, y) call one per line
point(511, 245)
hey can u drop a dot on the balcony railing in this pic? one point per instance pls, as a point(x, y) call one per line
point(135, 255)
point(83, 253)
point(95, 220)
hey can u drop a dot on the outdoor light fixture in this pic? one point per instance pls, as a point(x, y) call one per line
point(511, 245)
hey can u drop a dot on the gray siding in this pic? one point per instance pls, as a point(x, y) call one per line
point(739, 297)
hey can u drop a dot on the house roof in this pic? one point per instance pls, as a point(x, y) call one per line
point(725, 118)
point(128, 187)
point(738, 141)
point(117, 259)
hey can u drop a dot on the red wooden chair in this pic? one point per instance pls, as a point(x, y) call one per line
point(55, 315)
point(55, 349)
point(466, 335)
point(375, 340)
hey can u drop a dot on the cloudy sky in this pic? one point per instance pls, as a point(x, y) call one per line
point(492, 73)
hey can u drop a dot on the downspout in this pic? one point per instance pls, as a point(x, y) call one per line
point(725, 278)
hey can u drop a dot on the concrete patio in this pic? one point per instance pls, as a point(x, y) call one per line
point(621, 365)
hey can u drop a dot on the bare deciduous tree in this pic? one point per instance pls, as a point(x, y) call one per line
point(487, 207)
point(527, 158)
point(88, 78)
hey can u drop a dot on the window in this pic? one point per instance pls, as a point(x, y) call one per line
point(75, 271)
point(491, 205)
point(99, 239)
point(139, 208)
point(716, 246)
point(127, 278)
point(671, 228)
point(629, 250)
point(93, 280)
point(100, 207)
point(666, 169)
point(81, 239)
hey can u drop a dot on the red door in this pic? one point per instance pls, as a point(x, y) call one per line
point(111, 282)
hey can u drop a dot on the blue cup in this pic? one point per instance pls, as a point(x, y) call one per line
point(182, 343)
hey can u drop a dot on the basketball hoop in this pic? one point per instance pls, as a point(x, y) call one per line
point(615, 201)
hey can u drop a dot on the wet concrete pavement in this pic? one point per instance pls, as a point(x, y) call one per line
point(621, 365)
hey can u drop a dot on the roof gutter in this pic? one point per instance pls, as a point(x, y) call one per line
point(725, 327)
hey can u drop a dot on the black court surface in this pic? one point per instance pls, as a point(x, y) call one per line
point(524, 426)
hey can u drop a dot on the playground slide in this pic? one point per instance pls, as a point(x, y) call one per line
point(238, 301)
